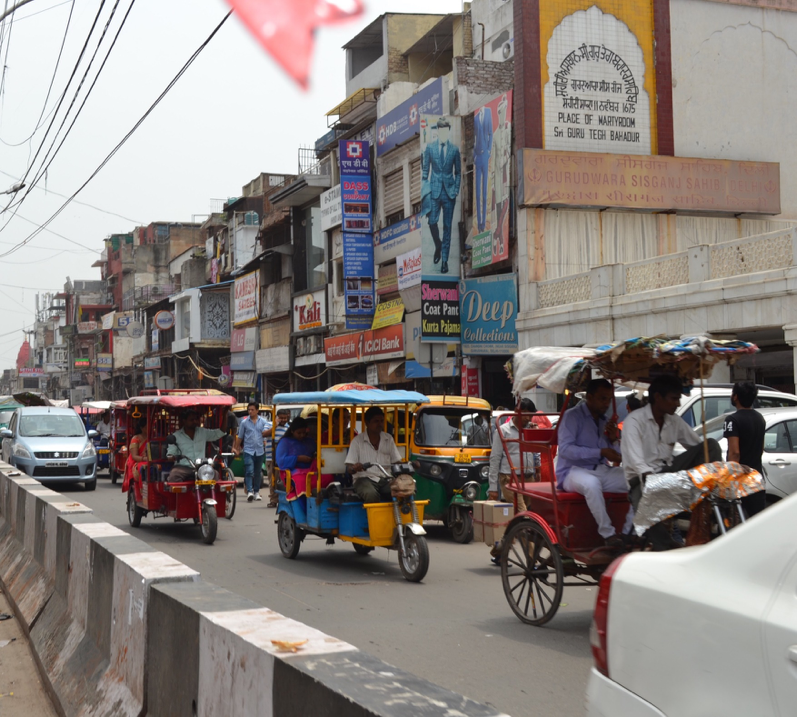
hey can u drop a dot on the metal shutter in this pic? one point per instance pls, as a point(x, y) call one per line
point(394, 192)
point(415, 181)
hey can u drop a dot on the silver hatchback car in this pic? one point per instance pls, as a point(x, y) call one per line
point(50, 444)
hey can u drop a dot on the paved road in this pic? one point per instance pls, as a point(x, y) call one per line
point(455, 628)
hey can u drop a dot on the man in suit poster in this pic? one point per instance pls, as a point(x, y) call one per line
point(482, 149)
point(441, 177)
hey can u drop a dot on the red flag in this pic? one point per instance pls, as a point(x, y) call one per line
point(286, 28)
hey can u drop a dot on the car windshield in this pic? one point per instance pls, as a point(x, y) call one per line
point(56, 425)
point(453, 427)
point(5, 417)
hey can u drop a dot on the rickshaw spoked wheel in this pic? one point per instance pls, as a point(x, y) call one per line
point(462, 526)
point(232, 496)
point(114, 475)
point(134, 513)
point(362, 549)
point(209, 524)
point(289, 536)
point(532, 573)
point(414, 559)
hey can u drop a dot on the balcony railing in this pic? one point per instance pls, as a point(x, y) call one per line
point(142, 296)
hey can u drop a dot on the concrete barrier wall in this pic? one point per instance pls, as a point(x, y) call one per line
point(121, 629)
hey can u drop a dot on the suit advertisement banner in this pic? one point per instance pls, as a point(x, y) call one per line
point(441, 201)
point(488, 312)
point(355, 182)
point(492, 174)
point(440, 312)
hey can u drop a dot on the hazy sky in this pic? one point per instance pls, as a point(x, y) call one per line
point(233, 115)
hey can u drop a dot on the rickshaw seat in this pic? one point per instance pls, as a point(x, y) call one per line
point(544, 489)
point(156, 449)
point(333, 461)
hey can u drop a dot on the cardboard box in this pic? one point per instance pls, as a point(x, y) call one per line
point(490, 518)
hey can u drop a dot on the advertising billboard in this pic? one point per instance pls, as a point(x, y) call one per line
point(488, 309)
point(402, 122)
point(247, 297)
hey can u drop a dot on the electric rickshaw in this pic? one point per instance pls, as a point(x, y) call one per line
point(118, 442)
point(323, 503)
point(555, 542)
point(90, 413)
point(451, 441)
point(211, 489)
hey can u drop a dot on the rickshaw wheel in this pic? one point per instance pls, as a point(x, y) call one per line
point(289, 536)
point(532, 573)
point(134, 513)
point(114, 476)
point(414, 559)
point(362, 549)
point(232, 497)
point(209, 524)
point(462, 527)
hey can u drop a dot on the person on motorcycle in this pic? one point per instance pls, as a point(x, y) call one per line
point(372, 446)
point(191, 442)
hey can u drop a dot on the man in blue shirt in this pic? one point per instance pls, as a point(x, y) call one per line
point(586, 450)
point(251, 432)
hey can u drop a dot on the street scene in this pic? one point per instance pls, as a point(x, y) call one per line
point(426, 358)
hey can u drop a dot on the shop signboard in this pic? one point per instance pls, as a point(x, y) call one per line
point(441, 176)
point(244, 379)
point(152, 362)
point(242, 361)
point(164, 320)
point(487, 313)
point(87, 327)
point(310, 310)
point(492, 176)
point(402, 122)
point(155, 340)
point(149, 379)
point(397, 239)
point(408, 268)
point(31, 372)
point(247, 298)
point(387, 281)
point(358, 272)
point(273, 360)
point(243, 339)
point(331, 209)
point(440, 311)
point(388, 313)
point(82, 363)
point(364, 346)
point(275, 333)
point(104, 362)
point(413, 369)
point(355, 181)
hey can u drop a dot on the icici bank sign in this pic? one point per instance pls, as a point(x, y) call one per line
point(310, 311)
point(382, 344)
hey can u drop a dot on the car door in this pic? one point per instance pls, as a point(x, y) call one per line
point(779, 458)
point(780, 631)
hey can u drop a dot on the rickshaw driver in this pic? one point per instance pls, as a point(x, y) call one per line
point(104, 426)
point(649, 437)
point(191, 445)
point(372, 446)
point(588, 443)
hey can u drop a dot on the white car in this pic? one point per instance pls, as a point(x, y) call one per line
point(703, 631)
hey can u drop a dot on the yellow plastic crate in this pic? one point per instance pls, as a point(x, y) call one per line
point(381, 523)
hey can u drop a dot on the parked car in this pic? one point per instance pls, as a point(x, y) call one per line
point(717, 400)
point(51, 445)
point(708, 630)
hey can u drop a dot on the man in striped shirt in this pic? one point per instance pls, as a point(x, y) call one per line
point(283, 416)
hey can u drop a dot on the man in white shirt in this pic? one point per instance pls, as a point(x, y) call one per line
point(372, 446)
point(649, 437)
point(500, 468)
point(191, 444)
point(104, 426)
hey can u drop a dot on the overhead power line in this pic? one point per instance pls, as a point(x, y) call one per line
point(111, 154)
point(13, 9)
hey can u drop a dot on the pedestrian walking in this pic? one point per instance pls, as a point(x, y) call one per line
point(745, 433)
point(283, 421)
point(250, 438)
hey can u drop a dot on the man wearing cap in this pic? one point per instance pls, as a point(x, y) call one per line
point(442, 167)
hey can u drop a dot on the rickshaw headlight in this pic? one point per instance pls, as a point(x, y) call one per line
point(435, 470)
point(206, 472)
point(470, 492)
point(89, 451)
point(484, 471)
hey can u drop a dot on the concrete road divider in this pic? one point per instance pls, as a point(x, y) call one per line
point(121, 629)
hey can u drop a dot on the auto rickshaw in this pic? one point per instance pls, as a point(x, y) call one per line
point(118, 441)
point(325, 504)
point(450, 441)
point(90, 413)
point(151, 491)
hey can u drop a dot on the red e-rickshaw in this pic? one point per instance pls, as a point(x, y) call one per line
point(555, 542)
point(118, 440)
point(151, 491)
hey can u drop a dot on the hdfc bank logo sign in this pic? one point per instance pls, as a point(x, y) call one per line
point(354, 150)
point(382, 134)
point(414, 115)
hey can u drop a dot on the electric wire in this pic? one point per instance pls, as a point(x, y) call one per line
point(42, 118)
point(113, 152)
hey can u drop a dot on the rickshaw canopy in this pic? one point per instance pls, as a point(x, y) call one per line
point(372, 396)
point(170, 401)
point(97, 405)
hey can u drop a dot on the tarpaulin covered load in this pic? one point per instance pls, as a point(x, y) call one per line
point(667, 494)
